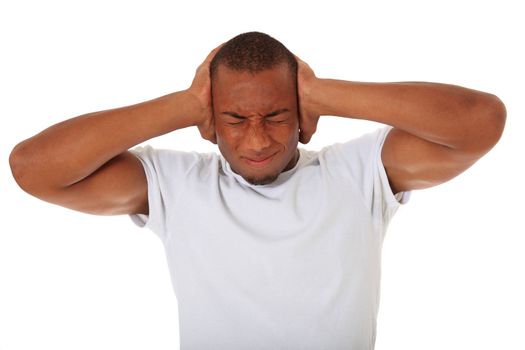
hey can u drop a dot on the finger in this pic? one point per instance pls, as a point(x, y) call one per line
point(304, 138)
point(302, 63)
point(298, 59)
point(301, 138)
point(306, 124)
point(304, 133)
point(210, 136)
point(302, 126)
point(213, 131)
point(309, 127)
point(213, 53)
point(208, 132)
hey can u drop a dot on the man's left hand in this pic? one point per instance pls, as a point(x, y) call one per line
point(308, 116)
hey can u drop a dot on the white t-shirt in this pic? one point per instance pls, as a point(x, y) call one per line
point(294, 264)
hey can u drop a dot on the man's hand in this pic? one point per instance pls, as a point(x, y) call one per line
point(440, 130)
point(308, 116)
point(200, 89)
point(83, 163)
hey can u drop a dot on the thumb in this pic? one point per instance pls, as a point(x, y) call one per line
point(304, 137)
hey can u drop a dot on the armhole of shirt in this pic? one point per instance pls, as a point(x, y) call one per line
point(393, 200)
point(153, 220)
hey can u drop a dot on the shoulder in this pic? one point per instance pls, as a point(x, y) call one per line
point(357, 152)
point(172, 162)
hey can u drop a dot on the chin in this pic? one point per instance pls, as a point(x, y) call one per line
point(261, 180)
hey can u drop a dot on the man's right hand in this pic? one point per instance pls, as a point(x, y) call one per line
point(84, 164)
point(200, 89)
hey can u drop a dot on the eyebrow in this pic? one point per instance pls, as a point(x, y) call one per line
point(271, 114)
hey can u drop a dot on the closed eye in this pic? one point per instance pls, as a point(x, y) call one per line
point(276, 113)
point(278, 121)
point(275, 117)
point(269, 120)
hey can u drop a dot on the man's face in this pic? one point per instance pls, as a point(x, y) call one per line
point(256, 121)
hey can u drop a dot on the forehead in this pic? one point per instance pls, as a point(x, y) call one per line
point(271, 85)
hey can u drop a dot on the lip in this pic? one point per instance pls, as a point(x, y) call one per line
point(259, 163)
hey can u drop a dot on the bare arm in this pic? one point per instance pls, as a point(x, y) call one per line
point(439, 130)
point(83, 163)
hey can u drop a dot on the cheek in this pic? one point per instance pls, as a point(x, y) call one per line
point(227, 138)
point(284, 134)
point(294, 138)
point(293, 131)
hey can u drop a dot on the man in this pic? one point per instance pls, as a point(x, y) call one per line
point(270, 246)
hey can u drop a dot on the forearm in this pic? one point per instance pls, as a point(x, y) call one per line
point(449, 115)
point(72, 150)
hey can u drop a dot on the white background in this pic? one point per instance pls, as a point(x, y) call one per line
point(453, 259)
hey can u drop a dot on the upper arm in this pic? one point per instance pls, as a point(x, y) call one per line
point(413, 163)
point(117, 187)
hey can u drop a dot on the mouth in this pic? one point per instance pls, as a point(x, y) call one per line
point(259, 162)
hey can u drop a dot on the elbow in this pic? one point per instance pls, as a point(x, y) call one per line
point(495, 117)
point(22, 164)
point(488, 118)
point(18, 162)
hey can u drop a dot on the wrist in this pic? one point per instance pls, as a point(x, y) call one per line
point(194, 107)
point(315, 97)
point(177, 109)
point(334, 97)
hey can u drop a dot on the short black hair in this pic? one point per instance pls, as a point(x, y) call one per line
point(253, 52)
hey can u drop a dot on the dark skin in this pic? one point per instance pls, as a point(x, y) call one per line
point(256, 117)
point(82, 163)
point(440, 130)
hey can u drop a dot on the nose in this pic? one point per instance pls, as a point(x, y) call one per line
point(257, 139)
